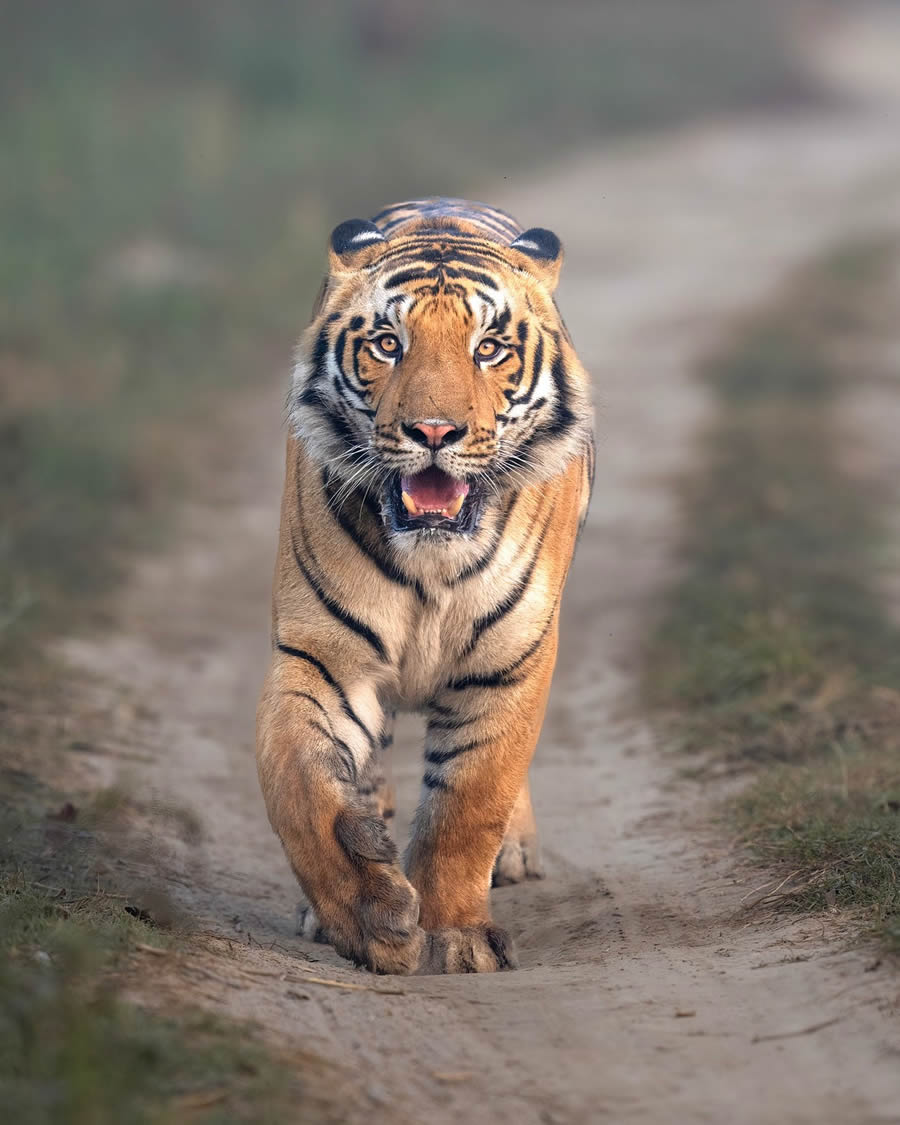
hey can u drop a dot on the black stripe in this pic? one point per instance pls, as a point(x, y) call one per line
point(300, 654)
point(344, 752)
point(320, 351)
point(421, 248)
point(488, 557)
point(536, 365)
point(334, 608)
point(358, 342)
point(505, 677)
point(555, 428)
point(502, 678)
point(433, 705)
point(433, 781)
point(339, 349)
point(384, 564)
point(439, 757)
point(405, 276)
point(429, 251)
point(360, 391)
point(311, 397)
point(513, 598)
point(447, 724)
point(359, 394)
point(473, 275)
point(564, 415)
point(468, 256)
point(310, 698)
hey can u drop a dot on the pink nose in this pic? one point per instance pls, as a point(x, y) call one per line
point(434, 434)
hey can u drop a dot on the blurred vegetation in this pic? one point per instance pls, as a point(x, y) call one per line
point(774, 654)
point(169, 173)
point(168, 176)
point(72, 1049)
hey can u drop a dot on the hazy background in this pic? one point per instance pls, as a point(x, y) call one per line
point(169, 173)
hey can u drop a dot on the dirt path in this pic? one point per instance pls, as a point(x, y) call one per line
point(643, 995)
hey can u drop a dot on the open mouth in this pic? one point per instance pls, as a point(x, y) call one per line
point(433, 500)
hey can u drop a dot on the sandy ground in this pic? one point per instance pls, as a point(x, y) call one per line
point(646, 992)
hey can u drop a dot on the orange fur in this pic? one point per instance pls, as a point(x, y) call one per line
point(376, 610)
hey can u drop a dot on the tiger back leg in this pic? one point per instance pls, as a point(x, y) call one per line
point(313, 754)
point(376, 789)
point(519, 857)
point(474, 776)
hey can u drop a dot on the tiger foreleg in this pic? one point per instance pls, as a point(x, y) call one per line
point(311, 759)
point(376, 789)
point(474, 776)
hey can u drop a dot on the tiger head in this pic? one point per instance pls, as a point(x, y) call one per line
point(437, 374)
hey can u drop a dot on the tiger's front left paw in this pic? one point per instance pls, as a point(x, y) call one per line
point(473, 949)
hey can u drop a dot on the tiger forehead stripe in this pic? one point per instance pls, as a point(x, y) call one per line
point(404, 277)
point(442, 249)
point(501, 321)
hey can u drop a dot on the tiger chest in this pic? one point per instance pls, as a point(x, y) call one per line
point(432, 646)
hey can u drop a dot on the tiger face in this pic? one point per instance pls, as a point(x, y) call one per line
point(437, 375)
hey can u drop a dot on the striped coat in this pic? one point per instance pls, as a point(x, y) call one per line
point(439, 468)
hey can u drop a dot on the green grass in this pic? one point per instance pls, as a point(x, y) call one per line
point(835, 828)
point(774, 655)
point(226, 139)
point(72, 1048)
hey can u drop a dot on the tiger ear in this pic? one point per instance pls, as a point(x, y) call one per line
point(544, 252)
point(354, 244)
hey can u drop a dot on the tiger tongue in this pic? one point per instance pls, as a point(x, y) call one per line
point(434, 491)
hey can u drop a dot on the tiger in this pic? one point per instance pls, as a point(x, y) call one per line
point(440, 461)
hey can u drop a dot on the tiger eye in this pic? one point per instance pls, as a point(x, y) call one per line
point(388, 343)
point(487, 349)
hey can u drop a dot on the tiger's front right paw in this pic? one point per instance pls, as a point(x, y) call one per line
point(382, 934)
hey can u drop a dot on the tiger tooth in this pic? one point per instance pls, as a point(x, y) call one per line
point(453, 510)
point(408, 503)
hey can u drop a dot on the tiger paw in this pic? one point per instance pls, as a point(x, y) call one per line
point(381, 931)
point(309, 927)
point(473, 949)
point(517, 861)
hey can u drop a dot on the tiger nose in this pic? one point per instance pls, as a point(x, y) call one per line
point(435, 432)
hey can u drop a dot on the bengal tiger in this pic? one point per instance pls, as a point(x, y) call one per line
point(439, 467)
